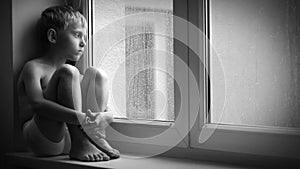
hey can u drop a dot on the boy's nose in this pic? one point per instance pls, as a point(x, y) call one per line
point(82, 44)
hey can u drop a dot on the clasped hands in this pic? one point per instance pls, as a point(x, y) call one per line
point(96, 122)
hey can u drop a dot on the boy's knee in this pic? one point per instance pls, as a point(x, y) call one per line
point(67, 70)
point(99, 74)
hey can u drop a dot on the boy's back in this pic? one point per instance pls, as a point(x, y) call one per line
point(35, 72)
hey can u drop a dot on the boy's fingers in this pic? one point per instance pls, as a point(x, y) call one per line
point(89, 112)
point(90, 125)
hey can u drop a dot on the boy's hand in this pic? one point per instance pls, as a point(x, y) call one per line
point(92, 115)
point(96, 119)
point(96, 122)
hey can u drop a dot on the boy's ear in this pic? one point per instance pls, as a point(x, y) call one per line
point(51, 35)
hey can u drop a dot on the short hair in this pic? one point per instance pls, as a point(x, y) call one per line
point(58, 18)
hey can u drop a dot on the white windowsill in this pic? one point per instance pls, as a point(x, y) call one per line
point(27, 160)
point(142, 122)
point(251, 129)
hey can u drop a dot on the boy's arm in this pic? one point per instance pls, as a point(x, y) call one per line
point(43, 106)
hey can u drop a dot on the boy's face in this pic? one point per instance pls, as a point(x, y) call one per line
point(71, 42)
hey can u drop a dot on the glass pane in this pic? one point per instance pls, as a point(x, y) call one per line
point(257, 43)
point(131, 46)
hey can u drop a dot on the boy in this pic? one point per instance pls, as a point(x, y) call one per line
point(52, 94)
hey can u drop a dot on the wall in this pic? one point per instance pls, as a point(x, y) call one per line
point(6, 91)
point(257, 42)
point(25, 14)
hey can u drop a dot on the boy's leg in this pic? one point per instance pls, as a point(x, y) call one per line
point(95, 97)
point(64, 88)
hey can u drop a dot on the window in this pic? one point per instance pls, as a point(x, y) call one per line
point(140, 62)
point(251, 101)
point(256, 44)
point(133, 42)
point(194, 116)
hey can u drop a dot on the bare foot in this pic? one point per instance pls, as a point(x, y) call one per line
point(98, 139)
point(84, 150)
point(103, 145)
point(97, 134)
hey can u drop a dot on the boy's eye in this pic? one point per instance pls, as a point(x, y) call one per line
point(77, 35)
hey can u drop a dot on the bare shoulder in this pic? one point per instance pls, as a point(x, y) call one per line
point(31, 70)
point(35, 63)
point(32, 67)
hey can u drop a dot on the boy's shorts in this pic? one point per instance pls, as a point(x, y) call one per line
point(39, 144)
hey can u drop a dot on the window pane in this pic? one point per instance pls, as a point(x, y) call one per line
point(257, 42)
point(138, 89)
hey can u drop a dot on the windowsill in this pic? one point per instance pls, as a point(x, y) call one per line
point(142, 122)
point(252, 129)
point(264, 141)
point(27, 160)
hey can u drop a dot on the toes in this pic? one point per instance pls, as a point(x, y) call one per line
point(117, 152)
point(105, 157)
point(114, 154)
point(85, 158)
point(100, 157)
point(97, 158)
point(91, 157)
